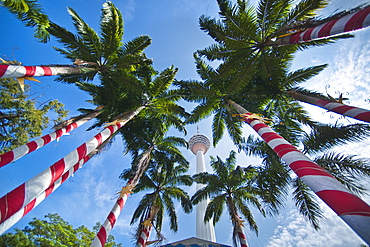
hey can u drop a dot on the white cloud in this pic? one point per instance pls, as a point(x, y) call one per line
point(295, 231)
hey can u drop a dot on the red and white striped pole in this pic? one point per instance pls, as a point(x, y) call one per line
point(21, 151)
point(346, 110)
point(144, 236)
point(102, 235)
point(25, 210)
point(105, 229)
point(238, 227)
point(354, 211)
point(242, 238)
point(28, 191)
point(16, 71)
point(146, 227)
point(348, 23)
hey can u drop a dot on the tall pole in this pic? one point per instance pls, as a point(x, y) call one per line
point(199, 145)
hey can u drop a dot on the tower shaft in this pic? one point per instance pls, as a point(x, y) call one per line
point(206, 230)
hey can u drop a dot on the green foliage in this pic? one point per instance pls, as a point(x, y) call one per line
point(22, 118)
point(53, 231)
point(30, 13)
point(317, 139)
point(162, 181)
point(306, 203)
point(105, 52)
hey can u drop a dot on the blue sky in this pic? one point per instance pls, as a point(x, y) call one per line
point(173, 25)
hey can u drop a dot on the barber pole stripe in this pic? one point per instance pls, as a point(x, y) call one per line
point(144, 236)
point(21, 151)
point(102, 235)
point(346, 110)
point(16, 71)
point(28, 191)
point(348, 23)
point(354, 211)
point(25, 210)
point(145, 231)
point(242, 239)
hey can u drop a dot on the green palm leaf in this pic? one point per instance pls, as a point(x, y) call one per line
point(91, 39)
point(306, 203)
point(323, 137)
point(111, 27)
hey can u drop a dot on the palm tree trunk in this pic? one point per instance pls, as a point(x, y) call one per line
point(21, 151)
point(147, 228)
point(25, 210)
point(354, 211)
point(28, 191)
point(237, 223)
point(349, 111)
point(347, 23)
point(15, 71)
point(102, 235)
point(242, 238)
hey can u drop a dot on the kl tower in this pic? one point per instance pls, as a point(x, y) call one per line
point(199, 145)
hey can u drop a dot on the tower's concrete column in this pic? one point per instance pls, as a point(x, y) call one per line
point(199, 145)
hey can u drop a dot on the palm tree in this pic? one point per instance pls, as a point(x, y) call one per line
point(145, 137)
point(321, 139)
point(244, 43)
point(243, 35)
point(162, 179)
point(215, 95)
point(247, 60)
point(330, 190)
point(146, 88)
point(159, 113)
point(88, 52)
point(234, 187)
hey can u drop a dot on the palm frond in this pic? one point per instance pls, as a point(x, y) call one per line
point(91, 39)
point(306, 203)
point(323, 137)
point(301, 75)
point(347, 169)
point(111, 27)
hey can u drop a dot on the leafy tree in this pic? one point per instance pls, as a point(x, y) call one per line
point(22, 118)
point(53, 231)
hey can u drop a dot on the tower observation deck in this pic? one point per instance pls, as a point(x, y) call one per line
point(199, 142)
